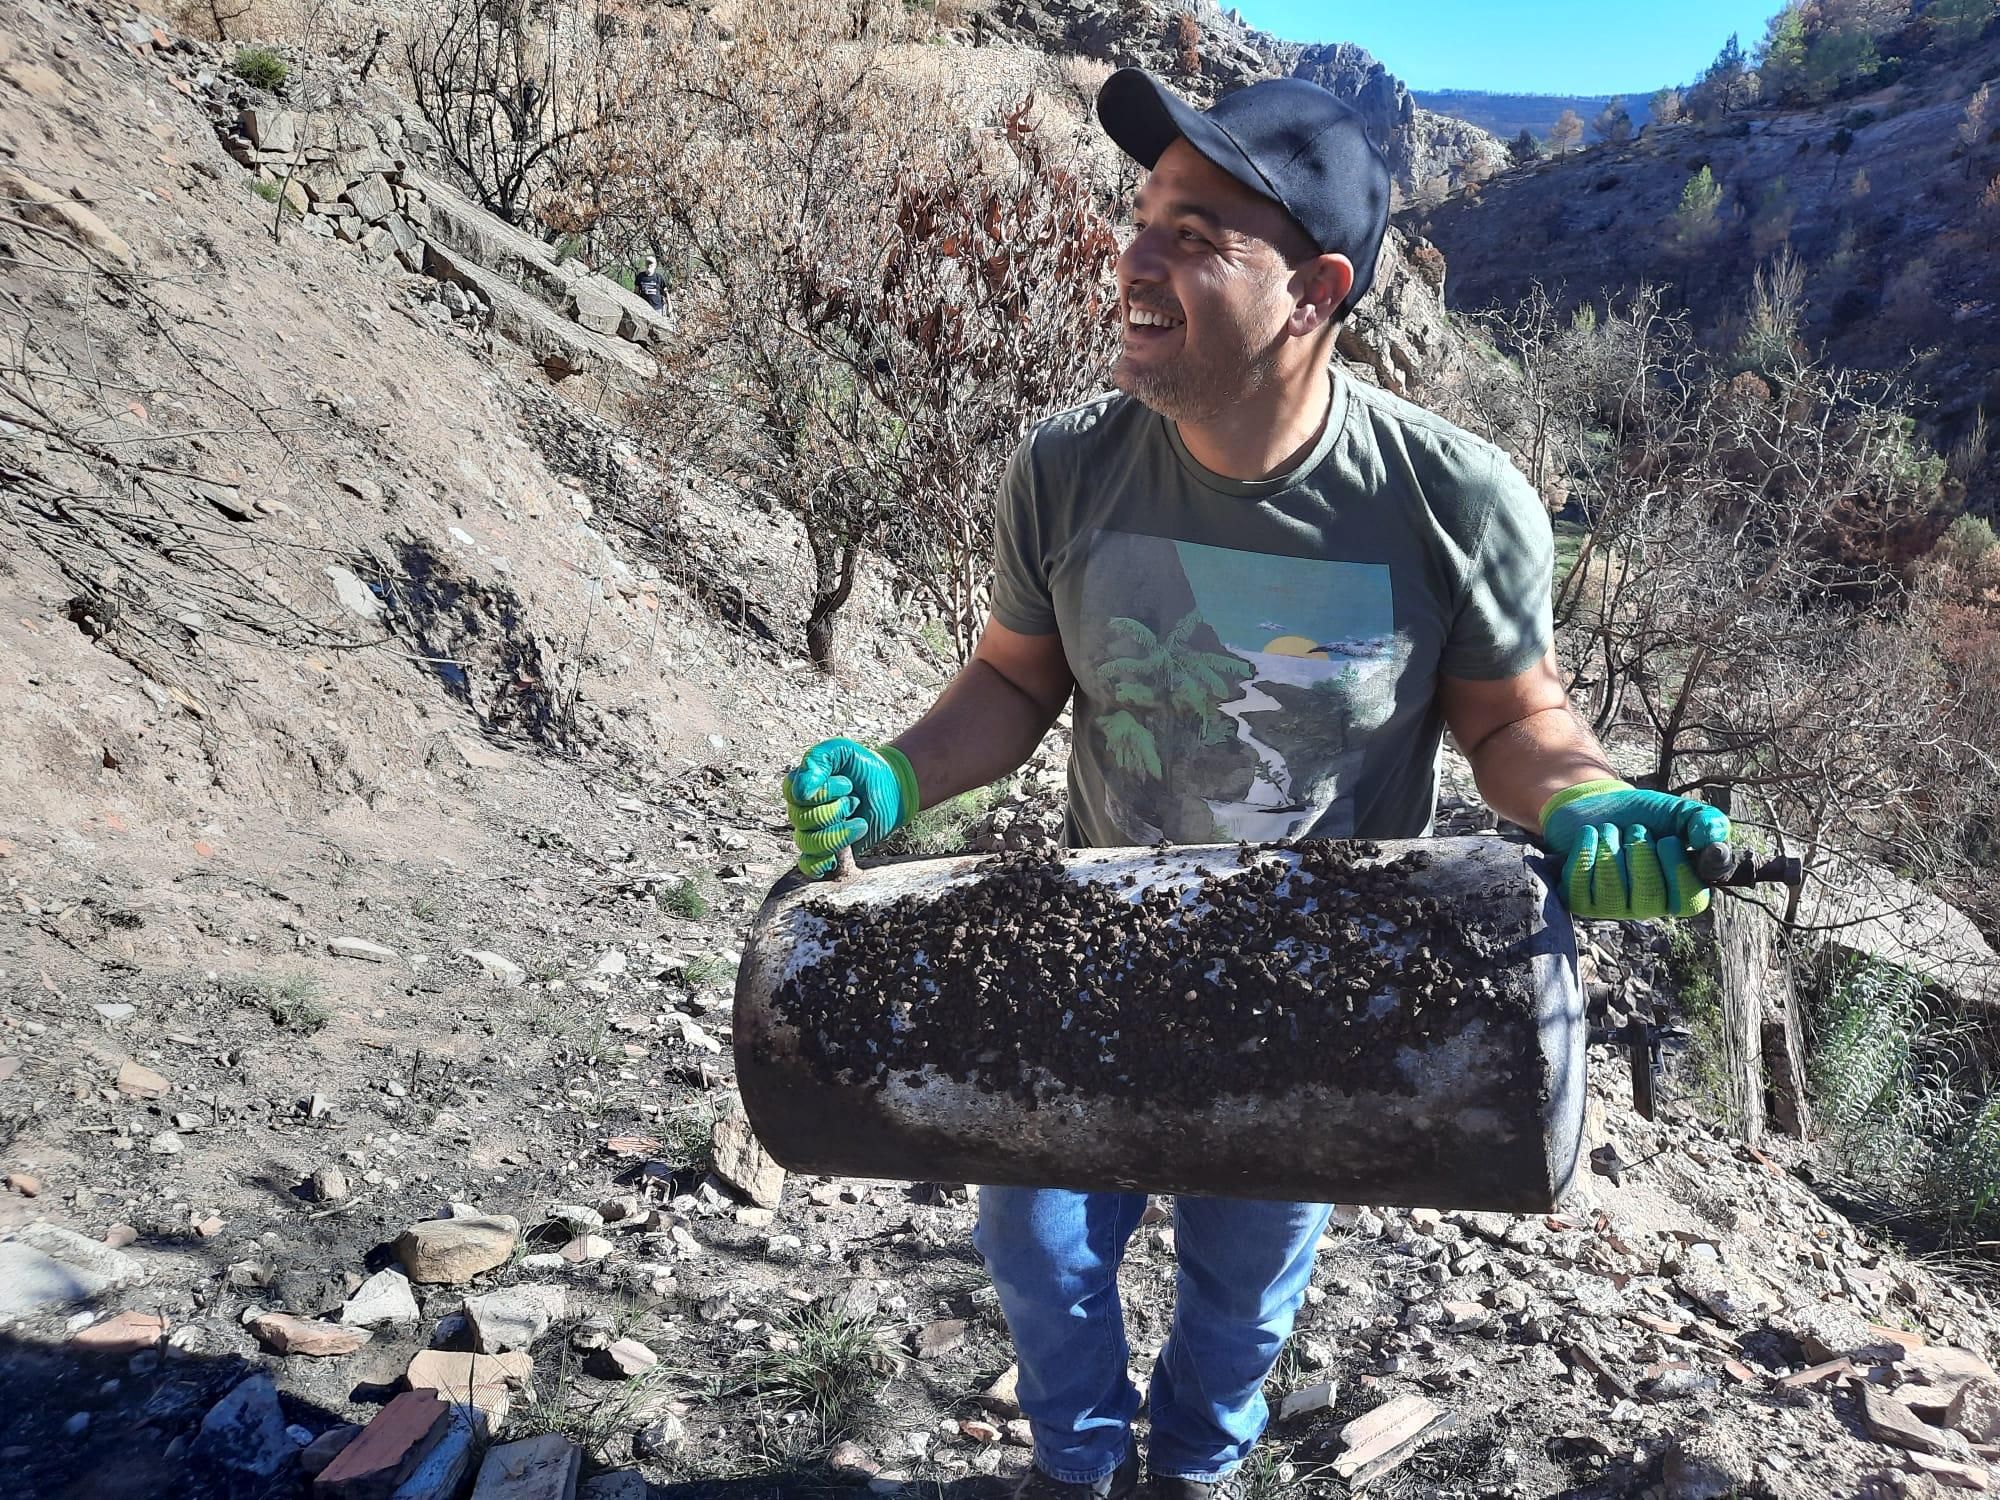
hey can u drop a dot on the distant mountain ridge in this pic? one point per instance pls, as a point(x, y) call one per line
point(1507, 115)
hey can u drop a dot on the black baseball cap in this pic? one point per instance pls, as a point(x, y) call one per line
point(1289, 140)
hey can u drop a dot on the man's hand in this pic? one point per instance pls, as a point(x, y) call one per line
point(845, 794)
point(1625, 851)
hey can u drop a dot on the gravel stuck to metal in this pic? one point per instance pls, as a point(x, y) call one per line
point(1032, 981)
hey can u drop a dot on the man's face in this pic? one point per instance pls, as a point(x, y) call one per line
point(1204, 289)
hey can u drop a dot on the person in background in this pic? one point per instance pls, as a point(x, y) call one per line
point(651, 285)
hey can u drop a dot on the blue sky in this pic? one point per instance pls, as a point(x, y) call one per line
point(1549, 47)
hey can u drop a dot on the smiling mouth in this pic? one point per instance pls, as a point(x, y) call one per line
point(1147, 318)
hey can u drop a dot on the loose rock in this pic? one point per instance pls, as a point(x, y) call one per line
point(1379, 1440)
point(1311, 1399)
point(453, 1251)
point(935, 1340)
point(513, 1318)
point(480, 1380)
point(1974, 1412)
point(1708, 1463)
point(245, 1430)
point(137, 1081)
point(354, 947)
point(329, 1185)
point(382, 1300)
point(125, 1333)
point(284, 1334)
point(536, 1468)
point(743, 1163)
point(323, 1449)
point(660, 1438)
point(388, 1449)
point(622, 1359)
point(1889, 1421)
point(48, 1266)
point(1002, 1397)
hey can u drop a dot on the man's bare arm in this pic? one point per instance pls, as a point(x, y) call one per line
point(1523, 739)
point(991, 716)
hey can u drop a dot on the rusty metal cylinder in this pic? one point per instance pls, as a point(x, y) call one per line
point(1395, 1023)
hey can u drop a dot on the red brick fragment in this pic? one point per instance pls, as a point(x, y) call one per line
point(370, 1467)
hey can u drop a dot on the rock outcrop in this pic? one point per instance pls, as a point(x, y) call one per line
point(1421, 146)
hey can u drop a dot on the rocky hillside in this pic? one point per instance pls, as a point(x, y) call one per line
point(1422, 146)
point(1425, 149)
point(388, 787)
point(1886, 199)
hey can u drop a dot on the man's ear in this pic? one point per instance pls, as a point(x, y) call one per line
point(1318, 287)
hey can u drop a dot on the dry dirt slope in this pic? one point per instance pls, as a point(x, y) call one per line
point(215, 771)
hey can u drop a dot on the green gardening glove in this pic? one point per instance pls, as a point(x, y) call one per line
point(843, 794)
point(1625, 851)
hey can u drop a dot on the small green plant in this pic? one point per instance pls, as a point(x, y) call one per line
point(1962, 1178)
point(943, 829)
point(1966, 541)
point(556, 1403)
point(631, 1311)
point(292, 1001)
point(1694, 970)
point(1264, 1476)
point(936, 639)
point(688, 898)
point(273, 192)
point(260, 67)
point(424, 909)
point(1694, 219)
point(687, 1135)
point(1878, 1083)
point(1290, 1372)
point(705, 970)
point(831, 1366)
point(571, 1026)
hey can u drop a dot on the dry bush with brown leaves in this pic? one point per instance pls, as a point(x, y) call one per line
point(996, 293)
point(876, 299)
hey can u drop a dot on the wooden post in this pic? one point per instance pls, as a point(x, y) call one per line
point(1743, 948)
point(1785, 1051)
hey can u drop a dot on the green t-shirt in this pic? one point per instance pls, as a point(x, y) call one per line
point(1257, 659)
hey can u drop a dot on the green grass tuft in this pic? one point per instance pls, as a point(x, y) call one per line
point(292, 1001)
point(688, 899)
point(706, 969)
point(943, 829)
point(832, 1367)
point(260, 67)
point(556, 1403)
point(687, 1135)
point(1902, 1102)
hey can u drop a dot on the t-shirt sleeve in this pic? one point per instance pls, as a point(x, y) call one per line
point(1021, 598)
point(1504, 622)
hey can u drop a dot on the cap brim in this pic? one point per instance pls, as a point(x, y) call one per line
point(1143, 117)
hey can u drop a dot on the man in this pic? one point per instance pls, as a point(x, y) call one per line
point(651, 285)
point(1269, 589)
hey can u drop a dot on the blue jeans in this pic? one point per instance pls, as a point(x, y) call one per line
point(1054, 1256)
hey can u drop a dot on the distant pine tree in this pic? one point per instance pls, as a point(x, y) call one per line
point(1524, 148)
point(1781, 61)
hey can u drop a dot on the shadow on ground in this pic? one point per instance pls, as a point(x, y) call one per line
point(142, 1413)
